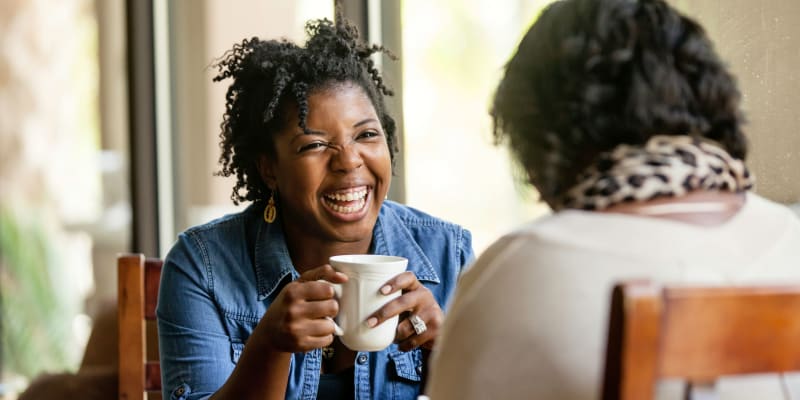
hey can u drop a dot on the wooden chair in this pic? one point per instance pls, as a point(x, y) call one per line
point(137, 281)
point(698, 334)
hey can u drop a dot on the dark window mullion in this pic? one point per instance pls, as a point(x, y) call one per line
point(141, 94)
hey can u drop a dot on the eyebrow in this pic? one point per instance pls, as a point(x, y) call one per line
point(318, 133)
point(368, 120)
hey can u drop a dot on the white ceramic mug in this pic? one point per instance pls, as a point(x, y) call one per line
point(360, 296)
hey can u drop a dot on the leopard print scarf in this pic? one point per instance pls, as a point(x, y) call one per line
point(666, 166)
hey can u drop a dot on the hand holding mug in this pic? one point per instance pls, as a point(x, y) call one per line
point(298, 319)
point(360, 297)
point(419, 305)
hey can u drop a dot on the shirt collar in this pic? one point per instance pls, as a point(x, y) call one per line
point(389, 237)
point(273, 263)
point(392, 237)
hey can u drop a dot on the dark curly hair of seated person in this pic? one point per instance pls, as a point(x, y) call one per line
point(593, 74)
point(272, 76)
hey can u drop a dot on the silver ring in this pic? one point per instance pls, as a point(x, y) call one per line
point(418, 324)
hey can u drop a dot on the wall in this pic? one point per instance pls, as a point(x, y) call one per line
point(760, 39)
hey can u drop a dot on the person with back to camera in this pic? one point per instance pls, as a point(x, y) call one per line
point(241, 312)
point(628, 124)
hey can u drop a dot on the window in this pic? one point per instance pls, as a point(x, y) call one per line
point(64, 202)
point(453, 58)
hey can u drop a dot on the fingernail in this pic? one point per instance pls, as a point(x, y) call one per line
point(386, 289)
point(372, 322)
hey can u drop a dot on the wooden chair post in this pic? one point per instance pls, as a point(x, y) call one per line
point(130, 301)
point(633, 335)
point(138, 280)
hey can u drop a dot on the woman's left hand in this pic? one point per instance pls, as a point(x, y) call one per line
point(416, 300)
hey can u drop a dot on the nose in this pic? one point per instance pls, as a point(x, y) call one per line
point(346, 158)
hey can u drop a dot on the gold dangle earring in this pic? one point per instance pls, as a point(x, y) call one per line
point(269, 211)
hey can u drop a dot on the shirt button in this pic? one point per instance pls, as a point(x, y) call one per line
point(362, 358)
point(419, 369)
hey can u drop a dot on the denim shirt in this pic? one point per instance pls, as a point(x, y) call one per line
point(219, 279)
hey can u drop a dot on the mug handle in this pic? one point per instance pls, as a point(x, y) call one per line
point(337, 289)
point(337, 330)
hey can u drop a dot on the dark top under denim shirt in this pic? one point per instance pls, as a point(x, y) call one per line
point(219, 279)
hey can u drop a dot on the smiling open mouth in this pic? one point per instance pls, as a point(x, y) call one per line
point(347, 201)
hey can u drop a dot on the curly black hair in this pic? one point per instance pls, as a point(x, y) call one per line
point(592, 74)
point(270, 76)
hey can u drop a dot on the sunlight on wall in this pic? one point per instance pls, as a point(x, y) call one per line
point(454, 52)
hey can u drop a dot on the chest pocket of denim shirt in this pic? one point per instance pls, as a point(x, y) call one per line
point(408, 367)
point(236, 350)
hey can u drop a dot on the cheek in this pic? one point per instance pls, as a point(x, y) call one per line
point(303, 181)
point(384, 175)
point(382, 161)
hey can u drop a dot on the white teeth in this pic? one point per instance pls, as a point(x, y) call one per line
point(358, 197)
point(347, 209)
point(350, 196)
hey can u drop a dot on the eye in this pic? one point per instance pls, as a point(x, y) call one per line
point(368, 135)
point(317, 145)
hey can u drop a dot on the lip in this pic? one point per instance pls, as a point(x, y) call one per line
point(348, 216)
point(348, 189)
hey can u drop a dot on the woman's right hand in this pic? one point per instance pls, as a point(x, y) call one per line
point(299, 318)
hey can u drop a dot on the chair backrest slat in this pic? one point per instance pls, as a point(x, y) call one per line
point(152, 275)
point(152, 376)
point(713, 332)
point(698, 334)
